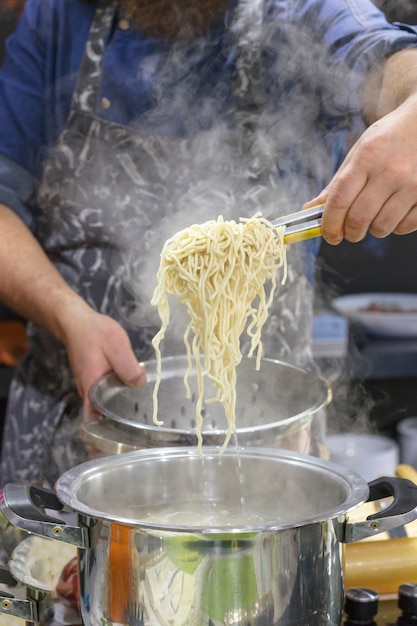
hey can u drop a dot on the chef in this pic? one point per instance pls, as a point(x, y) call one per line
point(121, 122)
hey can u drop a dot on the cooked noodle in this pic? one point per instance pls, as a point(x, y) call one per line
point(218, 270)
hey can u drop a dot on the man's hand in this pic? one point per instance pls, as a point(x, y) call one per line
point(375, 189)
point(97, 344)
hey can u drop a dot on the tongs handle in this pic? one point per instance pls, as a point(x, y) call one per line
point(302, 225)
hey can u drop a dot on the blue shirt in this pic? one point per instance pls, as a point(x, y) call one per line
point(319, 48)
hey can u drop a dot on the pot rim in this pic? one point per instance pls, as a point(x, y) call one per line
point(357, 489)
point(110, 381)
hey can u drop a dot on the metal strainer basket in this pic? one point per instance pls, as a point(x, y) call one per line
point(280, 405)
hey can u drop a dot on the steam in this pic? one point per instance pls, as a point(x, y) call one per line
point(194, 157)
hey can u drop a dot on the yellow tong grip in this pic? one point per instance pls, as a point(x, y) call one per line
point(303, 235)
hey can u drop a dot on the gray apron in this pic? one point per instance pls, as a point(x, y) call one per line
point(109, 198)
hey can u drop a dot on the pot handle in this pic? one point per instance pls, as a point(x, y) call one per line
point(26, 610)
point(20, 505)
point(402, 510)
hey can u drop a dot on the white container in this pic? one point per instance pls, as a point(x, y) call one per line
point(369, 455)
point(407, 438)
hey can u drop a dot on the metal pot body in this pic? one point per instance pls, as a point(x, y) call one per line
point(167, 537)
point(279, 405)
point(137, 577)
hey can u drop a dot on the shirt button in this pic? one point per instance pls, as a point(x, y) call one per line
point(124, 24)
point(105, 103)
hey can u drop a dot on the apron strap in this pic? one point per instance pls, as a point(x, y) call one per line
point(85, 97)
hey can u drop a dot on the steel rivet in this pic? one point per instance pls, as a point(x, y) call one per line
point(374, 525)
point(57, 530)
point(6, 604)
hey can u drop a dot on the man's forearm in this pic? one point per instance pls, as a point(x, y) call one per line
point(29, 284)
point(391, 84)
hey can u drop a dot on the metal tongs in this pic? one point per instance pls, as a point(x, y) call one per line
point(301, 225)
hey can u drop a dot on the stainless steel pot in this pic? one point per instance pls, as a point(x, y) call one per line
point(166, 537)
point(280, 405)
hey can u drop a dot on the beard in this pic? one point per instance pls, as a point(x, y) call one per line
point(168, 19)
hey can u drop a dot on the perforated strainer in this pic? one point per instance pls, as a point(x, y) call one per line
point(280, 405)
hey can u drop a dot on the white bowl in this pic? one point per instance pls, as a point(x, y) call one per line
point(371, 456)
point(37, 562)
point(407, 437)
point(381, 314)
